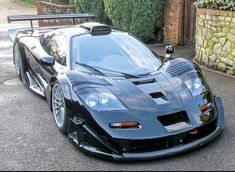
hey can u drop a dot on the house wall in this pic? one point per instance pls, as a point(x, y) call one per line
point(50, 8)
point(173, 19)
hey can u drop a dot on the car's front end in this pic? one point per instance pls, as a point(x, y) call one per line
point(166, 113)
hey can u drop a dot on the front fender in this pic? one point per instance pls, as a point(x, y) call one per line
point(64, 83)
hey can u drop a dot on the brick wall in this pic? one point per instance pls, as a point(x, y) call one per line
point(173, 18)
point(50, 8)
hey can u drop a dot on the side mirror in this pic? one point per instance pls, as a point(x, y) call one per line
point(169, 51)
point(47, 61)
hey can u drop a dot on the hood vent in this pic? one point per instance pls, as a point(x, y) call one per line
point(159, 98)
point(153, 89)
point(148, 81)
point(179, 68)
point(158, 95)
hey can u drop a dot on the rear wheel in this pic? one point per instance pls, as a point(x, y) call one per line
point(17, 60)
point(59, 108)
point(20, 63)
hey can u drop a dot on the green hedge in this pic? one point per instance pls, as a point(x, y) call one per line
point(27, 3)
point(216, 4)
point(93, 6)
point(140, 17)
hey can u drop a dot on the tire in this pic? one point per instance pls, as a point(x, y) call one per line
point(19, 62)
point(59, 109)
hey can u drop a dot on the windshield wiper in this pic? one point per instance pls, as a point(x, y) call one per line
point(95, 68)
point(89, 67)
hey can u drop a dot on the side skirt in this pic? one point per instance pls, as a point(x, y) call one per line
point(33, 85)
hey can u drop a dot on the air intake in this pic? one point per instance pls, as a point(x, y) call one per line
point(175, 122)
point(97, 29)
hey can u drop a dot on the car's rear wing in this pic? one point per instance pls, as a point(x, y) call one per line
point(14, 32)
point(32, 18)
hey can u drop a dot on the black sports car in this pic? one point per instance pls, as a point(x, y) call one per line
point(111, 94)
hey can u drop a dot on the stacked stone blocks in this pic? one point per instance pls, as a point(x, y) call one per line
point(215, 39)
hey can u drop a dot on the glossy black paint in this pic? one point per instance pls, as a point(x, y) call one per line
point(47, 61)
point(146, 100)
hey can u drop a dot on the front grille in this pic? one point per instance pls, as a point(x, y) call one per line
point(167, 120)
point(149, 145)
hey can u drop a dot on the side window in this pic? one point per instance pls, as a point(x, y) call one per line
point(55, 45)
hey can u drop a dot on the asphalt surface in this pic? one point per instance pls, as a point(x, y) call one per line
point(29, 139)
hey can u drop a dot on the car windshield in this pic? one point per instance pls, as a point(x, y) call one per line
point(116, 51)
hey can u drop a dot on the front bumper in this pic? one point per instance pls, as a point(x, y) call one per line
point(126, 156)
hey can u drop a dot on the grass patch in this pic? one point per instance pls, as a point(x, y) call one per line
point(27, 3)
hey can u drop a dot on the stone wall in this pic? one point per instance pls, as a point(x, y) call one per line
point(173, 20)
point(50, 8)
point(215, 39)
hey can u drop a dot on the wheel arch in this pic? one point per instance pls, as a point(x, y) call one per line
point(20, 47)
point(23, 59)
point(63, 81)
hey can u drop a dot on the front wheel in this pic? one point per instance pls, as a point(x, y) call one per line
point(59, 108)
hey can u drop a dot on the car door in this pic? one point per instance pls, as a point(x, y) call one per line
point(31, 45)
point(56, 45)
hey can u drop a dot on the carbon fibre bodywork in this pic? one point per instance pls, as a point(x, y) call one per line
point(91, 130)
point(169, 117)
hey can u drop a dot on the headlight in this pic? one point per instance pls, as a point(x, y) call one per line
point(100, 99)
point(195, 84)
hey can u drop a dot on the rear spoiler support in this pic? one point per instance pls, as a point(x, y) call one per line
point(32, 18)
point(14, 32)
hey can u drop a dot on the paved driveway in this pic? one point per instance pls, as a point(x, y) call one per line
point(29, 139)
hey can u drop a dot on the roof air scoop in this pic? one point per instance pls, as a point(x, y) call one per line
point(97, 29)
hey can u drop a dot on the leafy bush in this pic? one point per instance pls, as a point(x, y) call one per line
point(140, 17)
point(93, 6)
point(216, 4)
point(27, 3)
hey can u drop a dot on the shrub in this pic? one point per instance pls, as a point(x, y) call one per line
point(216, 4)
point(140, 17)
point(93, 6)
